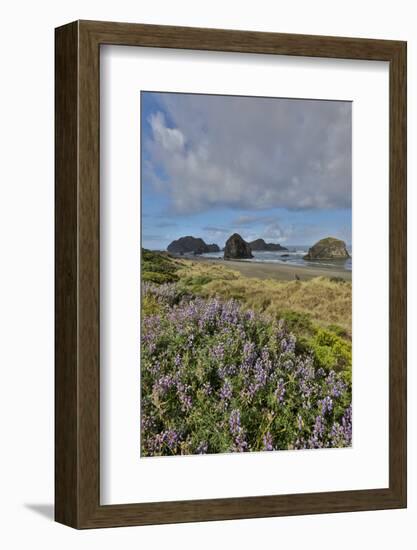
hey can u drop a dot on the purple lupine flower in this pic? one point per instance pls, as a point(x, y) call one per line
point(207, 389)
point(217, 352)
point(184, 397)
point(226, 391)
point(288, 344)
point(266, 359)
point(202, 448)
point(260, 373)
point(306, 390)
point(288, 364)
point(300, 443)
point(225, 371)
point(167, 293)
point(341, 434)
point(326, 405)
point(155, 443)
point(147, 423)
point(240, 444)
point(222, 372)
point(319, 426)
point(335, 384)
point(347, 425)
point(280, 330)
point(170, 437)
point(267, 442)
point(234, 422)
point(316, 440)
point(230, 312)
point(280, 391)
point(155, 368)
point(249, 353)
point(250, 315)
point(305, 369)
point(164, 383)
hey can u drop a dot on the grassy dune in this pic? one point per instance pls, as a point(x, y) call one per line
point(324, 301)
point(317, 311)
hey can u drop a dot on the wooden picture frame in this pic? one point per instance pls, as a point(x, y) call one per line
point(77, 373)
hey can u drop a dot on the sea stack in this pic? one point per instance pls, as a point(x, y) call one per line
point(213, 248)
point(191, 245)
point(236, 248)
point(328, 249)
point(260, 244)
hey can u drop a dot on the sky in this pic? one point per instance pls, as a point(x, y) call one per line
point(271, 168)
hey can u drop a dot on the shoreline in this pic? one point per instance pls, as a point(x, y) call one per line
point(276, 271)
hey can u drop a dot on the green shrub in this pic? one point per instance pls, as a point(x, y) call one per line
point(195, 284)
point(338, 330)
point(331, 351)
point(159, 278)
point(299, 323)
point(150, 305)
point(158, 268)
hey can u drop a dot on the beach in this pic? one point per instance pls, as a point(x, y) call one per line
point(279, 272)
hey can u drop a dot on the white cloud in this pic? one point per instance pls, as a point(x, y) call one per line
point(250, 153)
point(170, 139)
point(248, 220)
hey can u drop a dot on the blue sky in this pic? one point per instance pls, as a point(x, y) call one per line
point(279, 169)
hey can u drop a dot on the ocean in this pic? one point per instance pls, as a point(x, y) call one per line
point(294, 256)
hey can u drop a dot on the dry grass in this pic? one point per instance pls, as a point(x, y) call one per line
point(325, 301)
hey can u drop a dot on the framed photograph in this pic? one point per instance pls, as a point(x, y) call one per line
point(230, 274)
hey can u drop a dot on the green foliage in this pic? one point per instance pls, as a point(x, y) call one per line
point(158, 268)
point(196, 283)
point(339, 331)
point(158, 278)
point(150, 305)
point(298, 323)
point(331, 346)
point(331, 351)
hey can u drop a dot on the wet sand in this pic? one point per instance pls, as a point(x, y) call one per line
point(280, 272)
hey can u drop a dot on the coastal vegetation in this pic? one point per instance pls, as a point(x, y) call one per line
point(232, 363)
point(323, 300)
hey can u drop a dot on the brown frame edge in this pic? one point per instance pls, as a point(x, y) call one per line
point(77, 359)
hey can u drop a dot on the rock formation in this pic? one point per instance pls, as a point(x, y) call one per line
point(260, 244)
point(328, 249)
point(213, 248)
point(191, 245)
point(237, 248)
